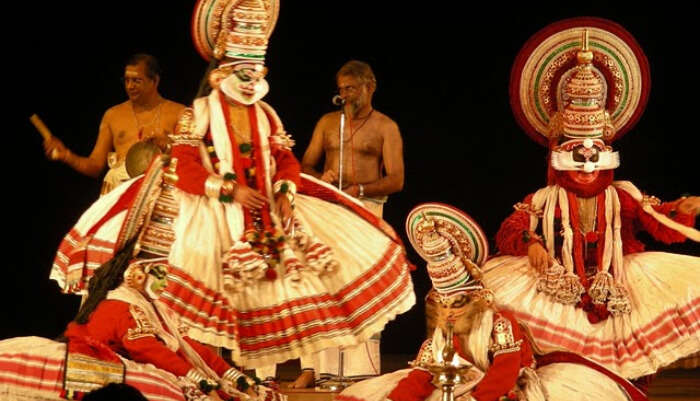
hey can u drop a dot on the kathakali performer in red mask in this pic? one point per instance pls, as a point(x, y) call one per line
point(572, 268)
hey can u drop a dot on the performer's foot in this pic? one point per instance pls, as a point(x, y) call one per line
point(305, 379)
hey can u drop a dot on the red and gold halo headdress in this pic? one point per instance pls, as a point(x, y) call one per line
point(547, 71)
point(233, 29)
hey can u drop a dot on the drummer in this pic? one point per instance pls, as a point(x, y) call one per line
point(146, 116)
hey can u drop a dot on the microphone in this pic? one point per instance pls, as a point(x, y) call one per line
point(337, 100)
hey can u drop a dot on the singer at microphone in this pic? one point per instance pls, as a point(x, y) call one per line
point(359, 148)
point(338, 100)
point(365, 160)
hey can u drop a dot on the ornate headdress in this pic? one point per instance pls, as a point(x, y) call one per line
point(577, 85)
point(582, 124)
point(452, 243)
point(234, 31)
point(581, 97)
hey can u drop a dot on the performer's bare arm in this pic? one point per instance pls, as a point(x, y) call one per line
point(92, 165)
point(314, 152)
point(689, 205)
point(392, 155)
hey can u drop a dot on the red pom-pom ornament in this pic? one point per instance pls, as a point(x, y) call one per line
point(592, 236)
point(270, 274)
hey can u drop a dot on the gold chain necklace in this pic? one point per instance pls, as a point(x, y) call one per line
point(154, 121)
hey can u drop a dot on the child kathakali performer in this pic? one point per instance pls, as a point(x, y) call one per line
point(503, 364)
point(572, 269)
point(264, 261)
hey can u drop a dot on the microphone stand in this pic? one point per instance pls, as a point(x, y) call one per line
point(337, 383)
point(340, 381)
point(342, 131)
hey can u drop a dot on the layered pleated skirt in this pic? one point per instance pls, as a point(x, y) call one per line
point(33, 368)
point(271, 320)
point(662, 327)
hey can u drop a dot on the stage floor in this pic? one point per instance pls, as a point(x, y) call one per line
point(672, 385)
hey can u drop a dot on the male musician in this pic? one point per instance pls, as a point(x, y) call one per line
point(146, 115)
point(372, 159)
point(371, 145)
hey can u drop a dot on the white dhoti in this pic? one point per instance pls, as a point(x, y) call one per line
point(115, 175)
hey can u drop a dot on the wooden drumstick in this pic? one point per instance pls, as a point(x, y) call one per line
point(40, 126)
point(44, 131)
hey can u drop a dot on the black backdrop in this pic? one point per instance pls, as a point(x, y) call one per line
point(442, 76)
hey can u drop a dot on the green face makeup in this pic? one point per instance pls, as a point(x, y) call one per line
point(160, 277)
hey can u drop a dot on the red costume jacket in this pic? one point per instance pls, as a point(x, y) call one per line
point(193, 175)
point(114, 325)
point(514, 237)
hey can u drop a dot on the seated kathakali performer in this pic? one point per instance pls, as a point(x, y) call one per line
point(571, 267)
point(500, 361)
point(264, 261)
point(123, 334)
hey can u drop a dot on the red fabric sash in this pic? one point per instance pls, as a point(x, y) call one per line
point(579, 263)
point(238, 161)
point(312, 188)
point(125, 201)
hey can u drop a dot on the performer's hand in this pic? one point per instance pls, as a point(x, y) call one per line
point(329, 176)
point(284, 208)
point(689, 205)
point(538, 257)
point(249, 197)
point(55, 149)
point(352, 190)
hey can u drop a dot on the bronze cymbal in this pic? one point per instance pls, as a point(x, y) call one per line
point(139, 157)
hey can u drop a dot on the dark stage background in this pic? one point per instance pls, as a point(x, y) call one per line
point(442, 76)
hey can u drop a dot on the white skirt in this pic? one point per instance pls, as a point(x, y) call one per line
point(561, 381)
point(32, 369)
point(269, 321)
point(663, 326)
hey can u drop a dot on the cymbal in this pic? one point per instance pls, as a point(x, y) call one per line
point(139, 157)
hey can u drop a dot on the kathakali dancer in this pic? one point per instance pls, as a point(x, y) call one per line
point(571, 267)
point(123, 334)
point(264, 261)
point(499, 360)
